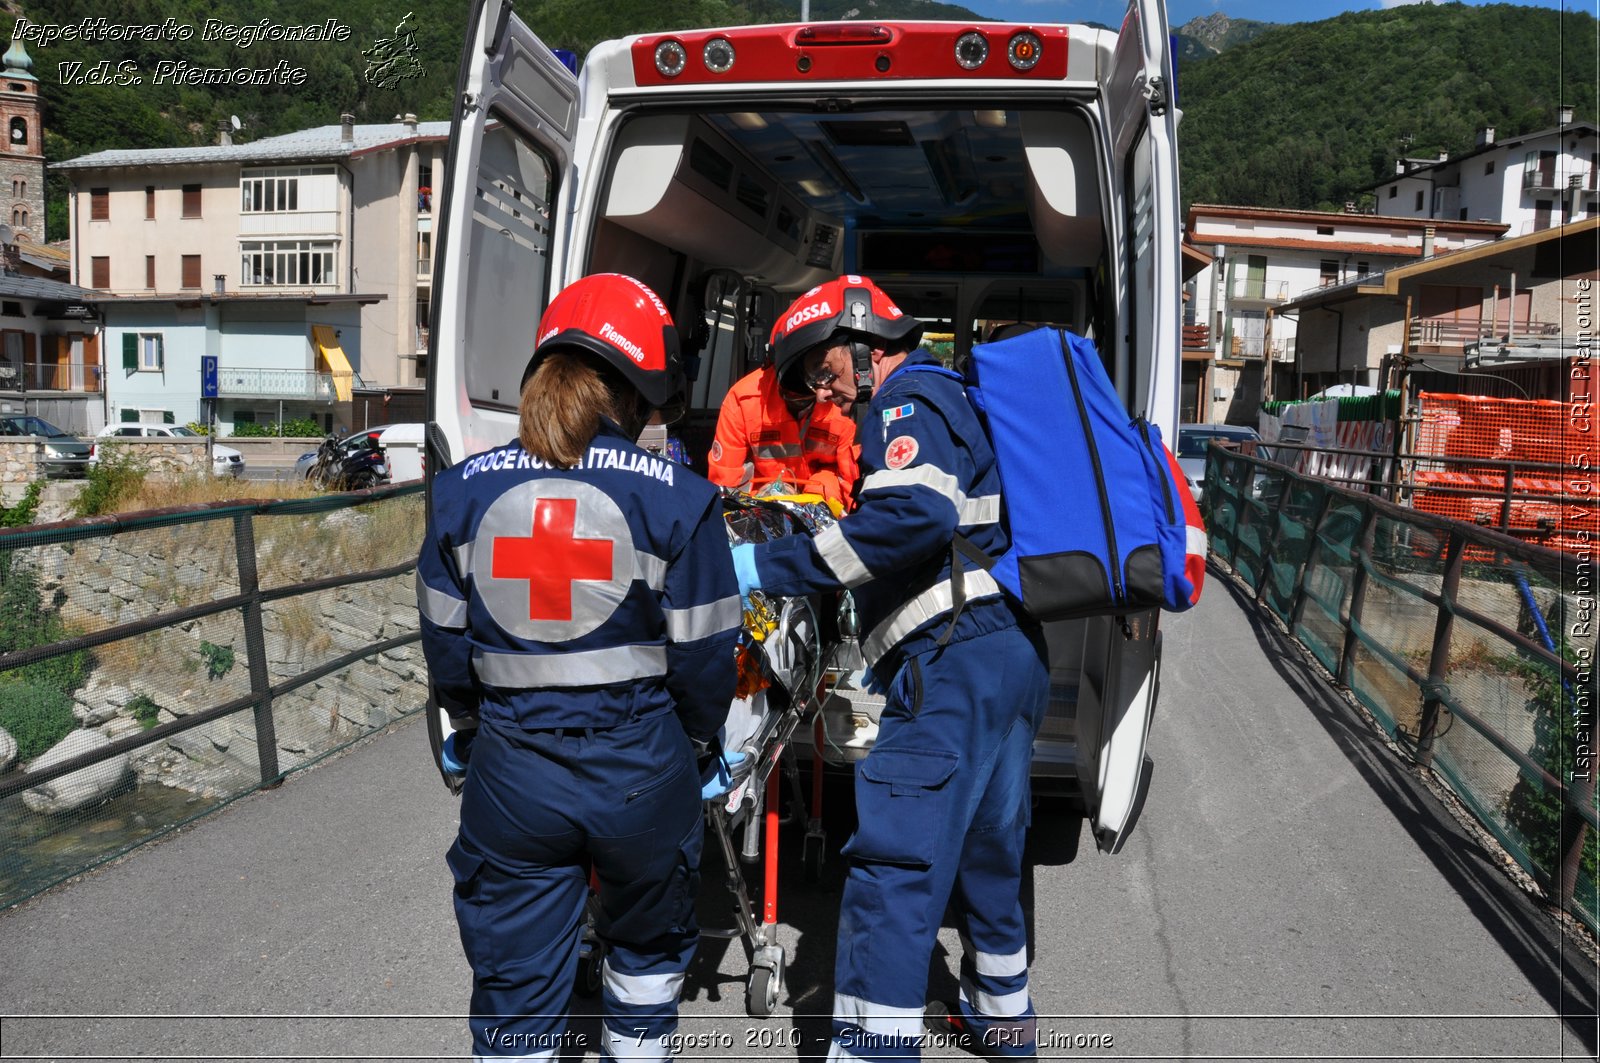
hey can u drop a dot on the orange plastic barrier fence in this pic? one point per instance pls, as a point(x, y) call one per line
point(1462, 427)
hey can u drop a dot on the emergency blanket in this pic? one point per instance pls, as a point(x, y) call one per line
point(781, 639)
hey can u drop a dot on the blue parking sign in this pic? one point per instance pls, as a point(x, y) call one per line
point(208, 376)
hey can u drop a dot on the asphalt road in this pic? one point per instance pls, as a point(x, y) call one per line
point(1291, 893)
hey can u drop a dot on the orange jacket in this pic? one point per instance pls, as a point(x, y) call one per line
point(758, 440)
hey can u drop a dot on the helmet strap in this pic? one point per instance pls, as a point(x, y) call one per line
point(861, 356)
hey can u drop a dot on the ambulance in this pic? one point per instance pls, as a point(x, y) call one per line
point(981, 173)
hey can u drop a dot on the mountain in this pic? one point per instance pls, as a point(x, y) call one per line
point(1209, 35)
point(1308, 115)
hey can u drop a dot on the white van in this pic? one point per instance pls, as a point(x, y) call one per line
point(980, 173)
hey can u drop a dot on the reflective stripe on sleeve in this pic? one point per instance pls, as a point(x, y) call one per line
point(776, 450)
point(441, 607)
point(928, 605)
point(1194, 540)
point(983, 509)
point(840, 557)
point(585, 668)
point(703, 621)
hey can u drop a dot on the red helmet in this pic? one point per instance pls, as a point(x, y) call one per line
point(850, 307)
point(622, 321)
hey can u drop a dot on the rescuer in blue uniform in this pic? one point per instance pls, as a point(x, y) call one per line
point(942, 799)
point(579, 614)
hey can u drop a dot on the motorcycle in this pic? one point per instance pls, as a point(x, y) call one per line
point(351, 465)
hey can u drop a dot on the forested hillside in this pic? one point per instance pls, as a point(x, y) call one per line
point(1307, 114)
point(1297, 115)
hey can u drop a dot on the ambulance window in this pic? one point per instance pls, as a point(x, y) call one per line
point(1140, 329)
point(510, 248)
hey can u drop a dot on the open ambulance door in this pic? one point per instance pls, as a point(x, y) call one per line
point(1121, 661)
point(499, 246)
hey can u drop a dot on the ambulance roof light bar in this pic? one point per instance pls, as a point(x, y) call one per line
point(852, 51)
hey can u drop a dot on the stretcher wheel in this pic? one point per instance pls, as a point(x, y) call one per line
point(589, 976)
point(813, 859)
point(761, 993)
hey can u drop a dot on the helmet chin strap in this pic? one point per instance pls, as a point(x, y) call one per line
point(861, 355)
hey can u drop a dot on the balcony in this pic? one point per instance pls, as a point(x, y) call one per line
point(1196, 337)
point(1264, 291)
point(1455, 336)
point(304, 384)
point(1540, 183)
point(79, 378)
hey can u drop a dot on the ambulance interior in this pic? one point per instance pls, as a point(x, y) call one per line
point(967, 218)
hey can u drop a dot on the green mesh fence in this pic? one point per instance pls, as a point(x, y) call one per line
point(154, 667)
point(1473, 650)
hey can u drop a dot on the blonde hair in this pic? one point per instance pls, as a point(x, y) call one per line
point(562, 403)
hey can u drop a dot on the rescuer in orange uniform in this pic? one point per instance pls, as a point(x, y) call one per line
point(778, 423)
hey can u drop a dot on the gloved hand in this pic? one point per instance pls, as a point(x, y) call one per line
point(456, 751)
point(716, 775)
point(744, 567)
point(870, 682)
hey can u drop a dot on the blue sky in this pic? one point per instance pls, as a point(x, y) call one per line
point(1109, 12)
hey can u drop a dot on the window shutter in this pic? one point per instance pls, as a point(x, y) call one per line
point(130, 351)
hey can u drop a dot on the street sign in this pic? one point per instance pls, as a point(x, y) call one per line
point(208, 376)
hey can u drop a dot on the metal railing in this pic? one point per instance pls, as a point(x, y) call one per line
point(307, 384)
point(1461, 333)
point(1474, 651)
point(156, 666)
point(83, 378)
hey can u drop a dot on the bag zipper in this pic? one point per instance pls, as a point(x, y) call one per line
point(1117, 590)
point(1160, 460)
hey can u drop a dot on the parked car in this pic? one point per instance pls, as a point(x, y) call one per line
point(225, 461)
point(1193, 439)
point(64, 454)
point(363, 459)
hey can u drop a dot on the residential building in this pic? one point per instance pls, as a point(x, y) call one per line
point(1495, 319)
point(1528, 183)
point(1264, 257)
point(274, 352)
point(337, 210)
point(50, 346)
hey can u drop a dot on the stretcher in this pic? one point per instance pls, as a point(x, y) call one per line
point(786, 655)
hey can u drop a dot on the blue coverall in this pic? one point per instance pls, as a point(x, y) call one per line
point(589, 616)
point(943, 798)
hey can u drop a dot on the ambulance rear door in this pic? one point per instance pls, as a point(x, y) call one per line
point(1121, 660)
point(499, 245)
point(498, 249)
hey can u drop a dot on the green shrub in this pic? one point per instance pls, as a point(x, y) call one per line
point(37, 716)
point(144, 709)
point(26, 508)
point(113, 480)
point(298, 426)
point(219, 659)
point(1536, 812)
point(26, 622)
point(199, 428)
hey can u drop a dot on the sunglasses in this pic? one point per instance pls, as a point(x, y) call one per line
point(819, 380)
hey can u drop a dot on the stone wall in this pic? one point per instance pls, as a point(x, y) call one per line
point(192, 666)
point(163, 456)
point(19, 466)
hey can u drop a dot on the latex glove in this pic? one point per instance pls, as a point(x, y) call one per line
point(872, 684)
point(744, 567)
point(456, 752)
point(716, 778)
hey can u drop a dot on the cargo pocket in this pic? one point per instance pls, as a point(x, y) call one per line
point(466, 867)
point(902, 805)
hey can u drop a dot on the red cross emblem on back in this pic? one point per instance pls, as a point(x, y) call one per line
point(551, 558)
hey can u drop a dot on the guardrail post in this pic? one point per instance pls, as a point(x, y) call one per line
point(1297, 600)
point(255, 646)
point(1361, 556)
point(1439, 658)
point(1270, 547)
